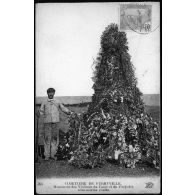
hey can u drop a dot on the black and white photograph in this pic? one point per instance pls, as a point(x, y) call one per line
point(98, 98)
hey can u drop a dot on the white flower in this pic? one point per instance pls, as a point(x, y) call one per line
point(131, 149)
point(72, 158)
point(116, 154)
point(139, 156)
point(121, 99)
point(133, 166)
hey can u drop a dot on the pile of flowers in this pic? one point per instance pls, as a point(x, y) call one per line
point(104, 136)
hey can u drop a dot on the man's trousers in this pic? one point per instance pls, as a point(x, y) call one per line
point(51, 139)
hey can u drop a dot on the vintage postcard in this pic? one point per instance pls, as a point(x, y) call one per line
point(98, 98)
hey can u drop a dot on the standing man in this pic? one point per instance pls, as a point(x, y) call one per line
point(50, 110)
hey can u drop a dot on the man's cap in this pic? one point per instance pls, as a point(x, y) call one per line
point(50, 90)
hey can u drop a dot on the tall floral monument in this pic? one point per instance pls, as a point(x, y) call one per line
point(115, 84)
point(116, 126)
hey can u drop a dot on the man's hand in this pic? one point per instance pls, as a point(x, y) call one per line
point(72, 113)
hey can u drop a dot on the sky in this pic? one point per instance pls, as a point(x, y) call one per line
point(68, 39)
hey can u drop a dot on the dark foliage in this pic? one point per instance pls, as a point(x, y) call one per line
point(116, 126)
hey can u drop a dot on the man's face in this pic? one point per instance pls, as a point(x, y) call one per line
point(50, 95)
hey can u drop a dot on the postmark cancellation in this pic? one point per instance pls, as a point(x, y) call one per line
point(135, 17)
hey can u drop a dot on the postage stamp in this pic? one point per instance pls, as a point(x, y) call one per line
point(136, 17)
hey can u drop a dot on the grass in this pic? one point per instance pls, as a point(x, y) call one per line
point(50, 169)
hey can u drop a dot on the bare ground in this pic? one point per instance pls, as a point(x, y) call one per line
point(59, 169)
